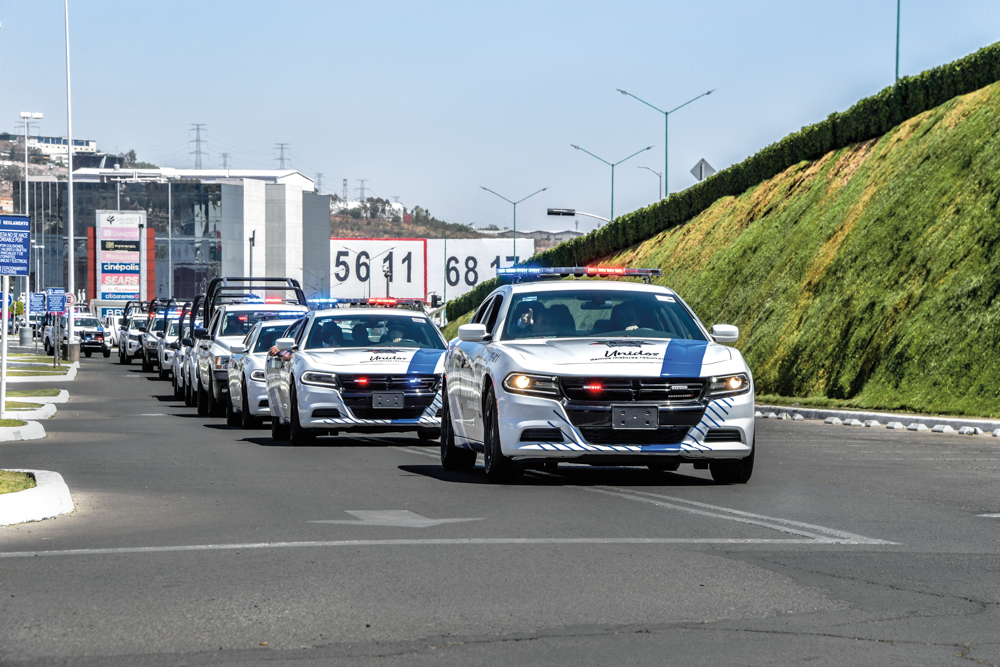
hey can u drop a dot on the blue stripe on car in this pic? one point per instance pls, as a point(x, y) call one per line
point(683, 357)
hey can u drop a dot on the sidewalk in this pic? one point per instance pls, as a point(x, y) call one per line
point(987, 425)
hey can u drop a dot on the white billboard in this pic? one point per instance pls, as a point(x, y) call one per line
point(418, 267)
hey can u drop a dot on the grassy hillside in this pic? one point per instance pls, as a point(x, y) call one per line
point(867, 278)
point(870, 275)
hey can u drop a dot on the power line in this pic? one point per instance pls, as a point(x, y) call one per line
point(197, 152)
point(281, 157)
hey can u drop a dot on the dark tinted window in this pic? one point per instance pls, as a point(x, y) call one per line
point(368, 330)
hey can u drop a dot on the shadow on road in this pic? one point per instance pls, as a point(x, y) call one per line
point(566, 475)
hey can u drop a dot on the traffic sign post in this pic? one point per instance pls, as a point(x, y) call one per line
point(15, 247)
point(37, 306)
point(55, 303)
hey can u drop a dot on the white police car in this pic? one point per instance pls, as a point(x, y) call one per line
point(595, 372)
point(248, 402)
point(363, 370)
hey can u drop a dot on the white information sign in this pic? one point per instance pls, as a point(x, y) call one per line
point(418, 267)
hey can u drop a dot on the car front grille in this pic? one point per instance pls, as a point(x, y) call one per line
point(596, 415)
point(627, 390)
point(357, 384)
point(598, 435)
point(379, 413)
point(541, 435)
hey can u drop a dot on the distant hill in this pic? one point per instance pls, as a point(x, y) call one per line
point(422, 227)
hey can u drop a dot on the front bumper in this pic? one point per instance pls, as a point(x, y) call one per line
point(316, 405)
point(724, 430)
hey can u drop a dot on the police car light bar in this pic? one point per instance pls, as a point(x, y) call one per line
point(578, 271)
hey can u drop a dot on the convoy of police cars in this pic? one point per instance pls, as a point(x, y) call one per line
point(598, 372)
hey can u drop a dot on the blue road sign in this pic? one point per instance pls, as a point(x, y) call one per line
point(15, 245)
point(55, 300)
point(37, 302)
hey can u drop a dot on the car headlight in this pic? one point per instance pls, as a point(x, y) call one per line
point(150, 343)
point(258, 375)
point(729, 385)
point(133, 338)
point(222, 363)
point(317, 379)
point(531, 385)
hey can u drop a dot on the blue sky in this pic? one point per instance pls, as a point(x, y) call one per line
point(429, 101)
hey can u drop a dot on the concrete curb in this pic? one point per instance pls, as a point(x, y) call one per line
point(68, 377)
point(63, 397)
point(956, 423)
point(47, 500)
point(46, 411)
point(30, 431)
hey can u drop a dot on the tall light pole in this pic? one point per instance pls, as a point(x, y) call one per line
point(28, 115)
point(253, 241)
point(659, 188)
point(515, 203)
point(612, 165)
point(72, 347)
point(666, 132)
point(899, 9)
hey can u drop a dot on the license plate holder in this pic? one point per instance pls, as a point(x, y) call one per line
point(387, 400)
point(632, 418)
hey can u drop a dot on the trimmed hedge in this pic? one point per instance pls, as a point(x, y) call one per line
point(870, 118)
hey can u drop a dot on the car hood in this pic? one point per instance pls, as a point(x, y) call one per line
point(376, 360)
point(624, 356)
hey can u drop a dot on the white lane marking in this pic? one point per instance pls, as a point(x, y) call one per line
point(831, 536)
point(471, 541)
point(991, 516)
point(400, 518)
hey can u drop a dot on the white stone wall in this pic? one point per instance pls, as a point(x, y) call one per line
point(243, 213)
point(315, 244)
point(283, 224)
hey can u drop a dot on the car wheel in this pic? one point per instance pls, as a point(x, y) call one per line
point(733, 472)
point(499, 468)
point(189, 397)
point(48, 348)
point(249, 421)
point(453, 458)
point(107, 354)
point(87, 354)
point(162, 372)
point(146, 365)
point(299, 436)
point(201, 399)
point(232, 417)
point(215, 406)
point(279, 431)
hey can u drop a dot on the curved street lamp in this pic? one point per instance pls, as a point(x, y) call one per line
point(612, 165)
point(515, 203)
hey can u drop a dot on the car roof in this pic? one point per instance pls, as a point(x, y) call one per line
point(587, 285)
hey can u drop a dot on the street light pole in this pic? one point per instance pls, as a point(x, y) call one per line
point(253, 241)
point(612, 165)
point(666, 132)
point(659, 188)
point(73, 355)
point(26, 115)
point(899, 9)
point(515, 203)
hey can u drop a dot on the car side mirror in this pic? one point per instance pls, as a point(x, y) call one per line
point(285, 344)
point(159, 334)
point(472, 333)
point(201, 334)
point(725, 333)
point(173, 346)
point(187, 342)
point(237, 348)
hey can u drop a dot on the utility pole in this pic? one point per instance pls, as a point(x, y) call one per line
point(197, 152)
point(281, 155)
point(225, 160)
point(319, 183)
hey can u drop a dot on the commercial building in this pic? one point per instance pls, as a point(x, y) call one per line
point(201, 223)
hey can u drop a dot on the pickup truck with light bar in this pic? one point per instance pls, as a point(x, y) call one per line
point(595, 372)
point(131, 326)
point(232, 307)
point(357, 369)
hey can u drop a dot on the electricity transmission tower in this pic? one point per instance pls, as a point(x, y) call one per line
point(395, 198)
point(345, 190)
point(362, 188)
point(319, 183)
point(225, 160)
point(281, 156)
point(197, 152)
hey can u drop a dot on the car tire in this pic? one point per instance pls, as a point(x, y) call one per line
point(232, 417)
point(279, 431)
point(201, 399)
point(249, 421)
point(215, 406)
point(452, 457)
point(162, 372)
point(189, 398)
point(146, 366)
point(107, 354)
point(87, 354)
point(48, 348)
point(733, 472)
point(498, 467)
point(300, 437)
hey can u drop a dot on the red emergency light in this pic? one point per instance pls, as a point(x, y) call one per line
point(381, 301)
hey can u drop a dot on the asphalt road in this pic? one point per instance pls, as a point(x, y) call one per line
point(194, 544)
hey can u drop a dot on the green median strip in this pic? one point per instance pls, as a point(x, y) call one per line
point(12, 482)
point(32, 393)
point(11, 423)
point(17, 405)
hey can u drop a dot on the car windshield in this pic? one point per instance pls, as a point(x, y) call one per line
point(586, 314)
point(172, 329)
point(367, 330)
point(86, 322)
point(157, 324)
point(240, 323)
point(268, 336)
point(137, 324)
